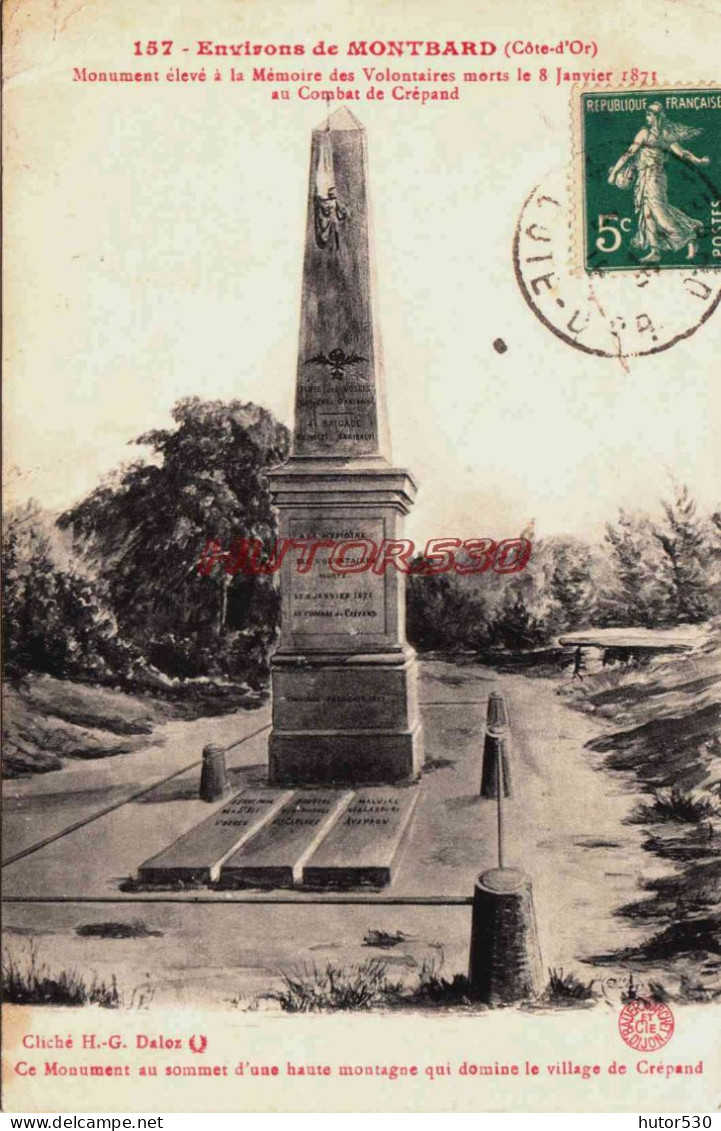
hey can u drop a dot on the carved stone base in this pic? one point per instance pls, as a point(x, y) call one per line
point(345, 720)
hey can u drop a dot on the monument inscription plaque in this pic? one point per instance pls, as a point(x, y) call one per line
point(324, 602)
point(333, 417)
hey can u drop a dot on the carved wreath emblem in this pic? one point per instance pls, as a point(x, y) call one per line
point(336, 360)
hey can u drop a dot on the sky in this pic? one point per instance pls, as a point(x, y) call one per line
point(154, 241)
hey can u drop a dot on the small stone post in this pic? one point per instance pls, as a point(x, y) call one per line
point(505, 963)
point(496, 748)
point(214, 782)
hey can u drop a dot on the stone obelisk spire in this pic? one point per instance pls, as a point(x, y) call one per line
point(343, 675)
point(340, 399)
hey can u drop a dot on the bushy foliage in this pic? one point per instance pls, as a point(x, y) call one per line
point(333, 988)
point(144, 531)
point(647, 573)
point(33, 983)
point(664, 573)
point(124, 596)
point(640, 588)
point(554, 593)
point(441, 613)
point(684, 540)
point(146, 528)
point(567, 987)
point(56, 619)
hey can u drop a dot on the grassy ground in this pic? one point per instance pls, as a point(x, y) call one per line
point(31, 982)
point(47, 721)
point(662, 723)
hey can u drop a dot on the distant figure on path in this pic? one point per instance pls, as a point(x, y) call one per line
point(577, 663)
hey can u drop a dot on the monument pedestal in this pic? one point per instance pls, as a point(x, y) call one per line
point(345, 705)
point(345, 720)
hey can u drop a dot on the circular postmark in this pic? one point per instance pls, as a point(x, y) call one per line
point(646, 1026)
point(621, 314)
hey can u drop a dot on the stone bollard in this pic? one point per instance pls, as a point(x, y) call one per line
point(496, 748)
point(497, 715)
point(505, 962)
point(214, 782)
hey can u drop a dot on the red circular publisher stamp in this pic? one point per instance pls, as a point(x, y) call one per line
point(646, 1025)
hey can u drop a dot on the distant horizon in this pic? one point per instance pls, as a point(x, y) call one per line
point(593, 535)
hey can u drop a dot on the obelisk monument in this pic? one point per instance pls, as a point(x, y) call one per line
point(345, 706)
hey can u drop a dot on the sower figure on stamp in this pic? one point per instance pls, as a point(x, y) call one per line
point(660, 226)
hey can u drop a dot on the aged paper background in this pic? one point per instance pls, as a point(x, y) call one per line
point(153, 251)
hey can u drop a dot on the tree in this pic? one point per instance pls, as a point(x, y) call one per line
point(640, 589)
point(56, 619)
point(516, 625)
point(685, 542)
point(446, 611)
point(145, 530)
point(570, 582)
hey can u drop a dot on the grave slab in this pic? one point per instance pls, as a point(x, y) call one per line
point(275, 857)
point(363, 846)
point(199, 854)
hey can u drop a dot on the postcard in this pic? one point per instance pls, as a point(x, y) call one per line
point(362, 557)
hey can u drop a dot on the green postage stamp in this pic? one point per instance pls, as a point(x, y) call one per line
point(651, 179)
